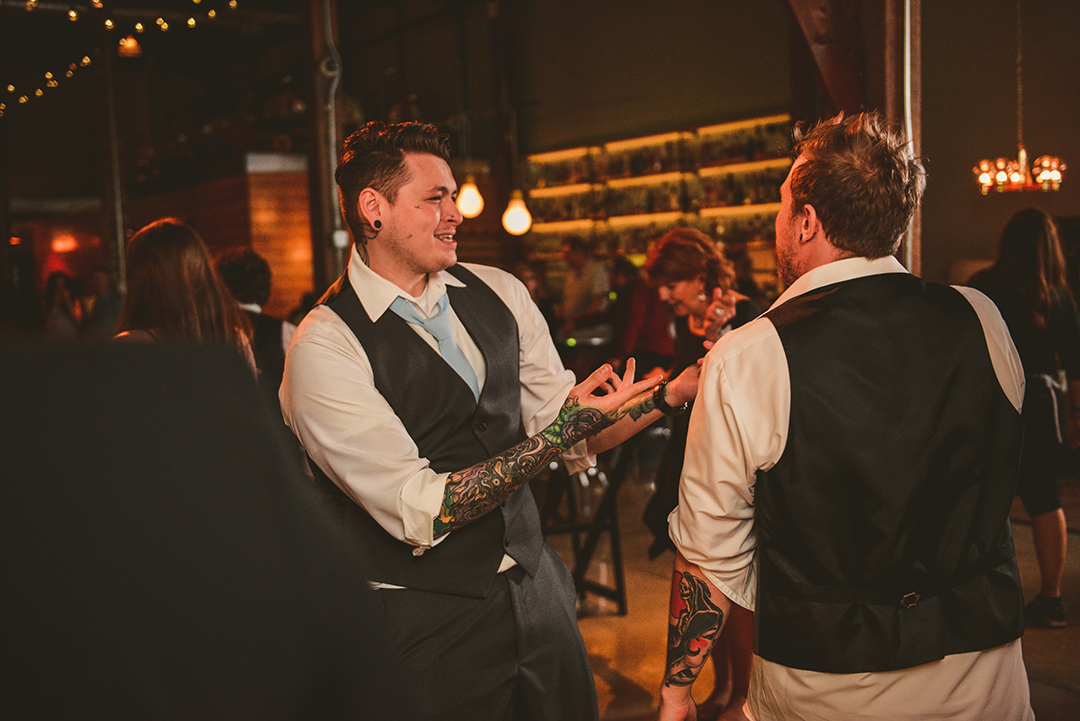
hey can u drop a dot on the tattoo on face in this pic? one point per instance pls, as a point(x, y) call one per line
point(695, 622)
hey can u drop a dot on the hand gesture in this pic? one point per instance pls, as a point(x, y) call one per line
point(719, 313)
point(586, 413)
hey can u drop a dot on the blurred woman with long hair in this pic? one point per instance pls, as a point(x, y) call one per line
point(1028, 284)
point(174, 293)
point(696, 280)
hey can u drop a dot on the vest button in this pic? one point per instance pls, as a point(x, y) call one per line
point(506, 542)
point(481, 426)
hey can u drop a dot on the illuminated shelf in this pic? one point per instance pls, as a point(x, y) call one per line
point(654, 179)
point(724, 128)
point(623, 221)
point(563, 226)
point(698, 149)
point(557, 190)
point(735, 168)
point(736, 210)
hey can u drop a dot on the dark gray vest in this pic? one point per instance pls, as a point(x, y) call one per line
point(883, 531)
point(452, 431)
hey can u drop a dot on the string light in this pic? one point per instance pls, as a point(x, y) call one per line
point(211, 14)
point(108, 24)
point(139, 27)
point(73, 15)
point(191, 22)
point(232, 4)
point(164, 27)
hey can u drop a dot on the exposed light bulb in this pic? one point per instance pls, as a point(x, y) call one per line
point(516, 219)
point(469, 200)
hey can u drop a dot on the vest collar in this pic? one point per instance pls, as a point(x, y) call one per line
point(838, 271)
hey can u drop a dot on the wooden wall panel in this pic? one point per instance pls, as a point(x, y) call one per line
point(218, 210)
point(281, 232)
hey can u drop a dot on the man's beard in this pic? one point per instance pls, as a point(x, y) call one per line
point(786, 264)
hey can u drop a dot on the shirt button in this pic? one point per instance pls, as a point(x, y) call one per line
point(481, 426)
point(506, 542)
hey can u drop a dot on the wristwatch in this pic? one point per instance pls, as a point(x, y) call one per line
point(659, 395)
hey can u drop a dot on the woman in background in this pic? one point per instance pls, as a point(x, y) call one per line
point(1028, 284)
point(174, 293)
point(695, 279)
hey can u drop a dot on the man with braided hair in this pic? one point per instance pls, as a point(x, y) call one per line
point(427, 393)
point(850, 468)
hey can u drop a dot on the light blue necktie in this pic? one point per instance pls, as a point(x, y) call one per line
point(438, 326)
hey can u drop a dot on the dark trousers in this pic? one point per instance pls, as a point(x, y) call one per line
point(516, 654)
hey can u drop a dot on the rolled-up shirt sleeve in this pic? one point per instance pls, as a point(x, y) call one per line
point(738, 426)
point(330, 402)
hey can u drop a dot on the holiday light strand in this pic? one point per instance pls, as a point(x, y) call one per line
point(127, 46)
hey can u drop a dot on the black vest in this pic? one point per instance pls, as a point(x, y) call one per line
point(883, 530)
point(452, 431)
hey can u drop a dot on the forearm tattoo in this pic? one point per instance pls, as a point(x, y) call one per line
point(695, 624)
point(477, 490)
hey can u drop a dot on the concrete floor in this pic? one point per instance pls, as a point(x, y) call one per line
point(628, 651)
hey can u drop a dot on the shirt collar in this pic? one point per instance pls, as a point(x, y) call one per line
point(377, 293)
point(253, 307)
point(837, 271)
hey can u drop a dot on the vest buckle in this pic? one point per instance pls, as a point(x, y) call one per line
point(910, 599)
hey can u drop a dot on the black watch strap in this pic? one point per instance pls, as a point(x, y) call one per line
point(659, 397)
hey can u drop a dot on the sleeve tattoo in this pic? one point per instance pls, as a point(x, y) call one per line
point(695, 623)
point(478, 489)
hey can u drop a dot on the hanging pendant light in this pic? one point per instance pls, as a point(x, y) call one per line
point(1014, 175)
point(517, 219)
point(469, 200)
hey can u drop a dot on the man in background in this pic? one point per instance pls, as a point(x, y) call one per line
point(248, 276)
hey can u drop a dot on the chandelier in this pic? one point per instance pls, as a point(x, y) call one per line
point(1006, 175)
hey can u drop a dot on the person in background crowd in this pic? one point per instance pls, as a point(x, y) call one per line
point(850, 469)
point(61, 307)
point(248, 276)
point(533, 274)
point(1028, 284)
point(585, 289)
point(641, 322)
point(174, 293)
point(101, 304)
point(695, 280)
point(427, 394)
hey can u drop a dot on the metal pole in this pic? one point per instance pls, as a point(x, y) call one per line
point(114, 187)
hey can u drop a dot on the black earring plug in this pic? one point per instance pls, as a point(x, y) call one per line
point(377, 224)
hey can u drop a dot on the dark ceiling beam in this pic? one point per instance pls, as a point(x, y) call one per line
point(831, 31)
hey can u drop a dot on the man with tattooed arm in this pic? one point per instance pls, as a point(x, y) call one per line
point(850, 468)
point(427, 393)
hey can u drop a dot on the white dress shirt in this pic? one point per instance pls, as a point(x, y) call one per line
point(329, 400)
point(739, 425)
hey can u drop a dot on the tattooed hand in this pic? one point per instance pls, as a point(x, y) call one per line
point(584, 414)
point(479, 489)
